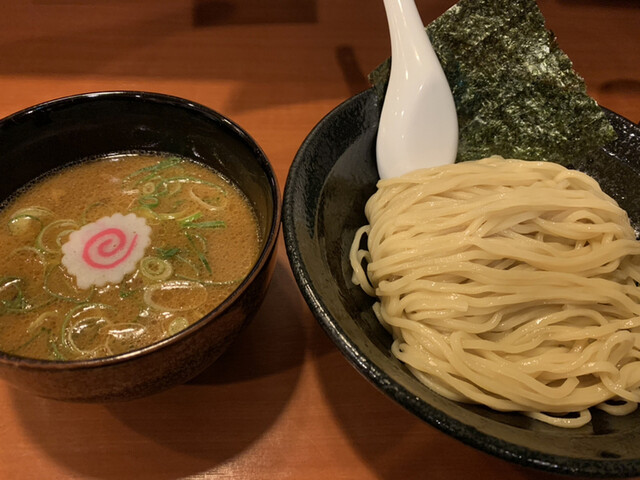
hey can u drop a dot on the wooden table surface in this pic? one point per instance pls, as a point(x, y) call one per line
point(282, 402)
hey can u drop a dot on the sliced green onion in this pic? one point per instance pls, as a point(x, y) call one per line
point(18, 302)
point(36, 211)
point(125, 289)
point(173, 215)
point(190, 222)
point(190, 218)
point(198, 252)
point(13, 301)
point(132, 181)
point(155, 185)
point(82, 334)
point(149, 201)
point(41, 320)
point(155, 268)
point(166, 253)
point(177, 187)
point(149, 179)
point(66, 226)
point(215, 202)
point(161, 188)
point(24, 219)
point(55, 352)
point(34, 250)
point(62, 234)
point(58, 284)
point(175, 302)
point(177, 325)
point(148, 188)
point(125, 336)
point(21, 224)
point(189, 263)
point(198, 181)
point(199, 238)
point(75, 322)
point(147, 213)
point(126, 293)
point(210, 224)
point(9, 281)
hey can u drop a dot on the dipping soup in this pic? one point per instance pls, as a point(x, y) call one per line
point(116, 253)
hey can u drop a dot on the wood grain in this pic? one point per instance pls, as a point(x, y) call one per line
point(283, 402)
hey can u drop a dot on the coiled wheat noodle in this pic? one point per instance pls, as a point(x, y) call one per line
point(507, 283)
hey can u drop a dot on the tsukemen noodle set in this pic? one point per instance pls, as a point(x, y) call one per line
point(508, 279)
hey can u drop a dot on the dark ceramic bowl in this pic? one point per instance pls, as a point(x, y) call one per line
point(332, 176)
point(48, 136)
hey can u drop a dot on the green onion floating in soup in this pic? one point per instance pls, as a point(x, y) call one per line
point(116, 253)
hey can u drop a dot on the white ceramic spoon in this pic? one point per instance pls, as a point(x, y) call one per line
point(418, 126)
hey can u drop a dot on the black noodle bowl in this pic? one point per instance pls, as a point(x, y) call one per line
point(332, 176)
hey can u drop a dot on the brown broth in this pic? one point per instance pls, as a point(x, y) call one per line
point(43, 313)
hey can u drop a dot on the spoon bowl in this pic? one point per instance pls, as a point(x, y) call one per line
point(418, 125)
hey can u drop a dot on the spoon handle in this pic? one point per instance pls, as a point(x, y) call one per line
point(418, 125)
point(408, 36)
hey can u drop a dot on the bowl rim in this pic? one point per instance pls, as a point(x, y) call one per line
point(270, 240)
point(467, 434)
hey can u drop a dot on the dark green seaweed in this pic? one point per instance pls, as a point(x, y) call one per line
point(516, 92)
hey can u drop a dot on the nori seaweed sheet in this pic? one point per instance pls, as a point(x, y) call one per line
point(515, 90)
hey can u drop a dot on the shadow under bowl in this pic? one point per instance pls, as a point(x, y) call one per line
point(55, 134)
point(332, 176)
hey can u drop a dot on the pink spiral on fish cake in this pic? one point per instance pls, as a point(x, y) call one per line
point(104, 251)
point(108, 248)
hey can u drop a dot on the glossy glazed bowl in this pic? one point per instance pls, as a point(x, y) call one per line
point(332, 176)
point(50, 135)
